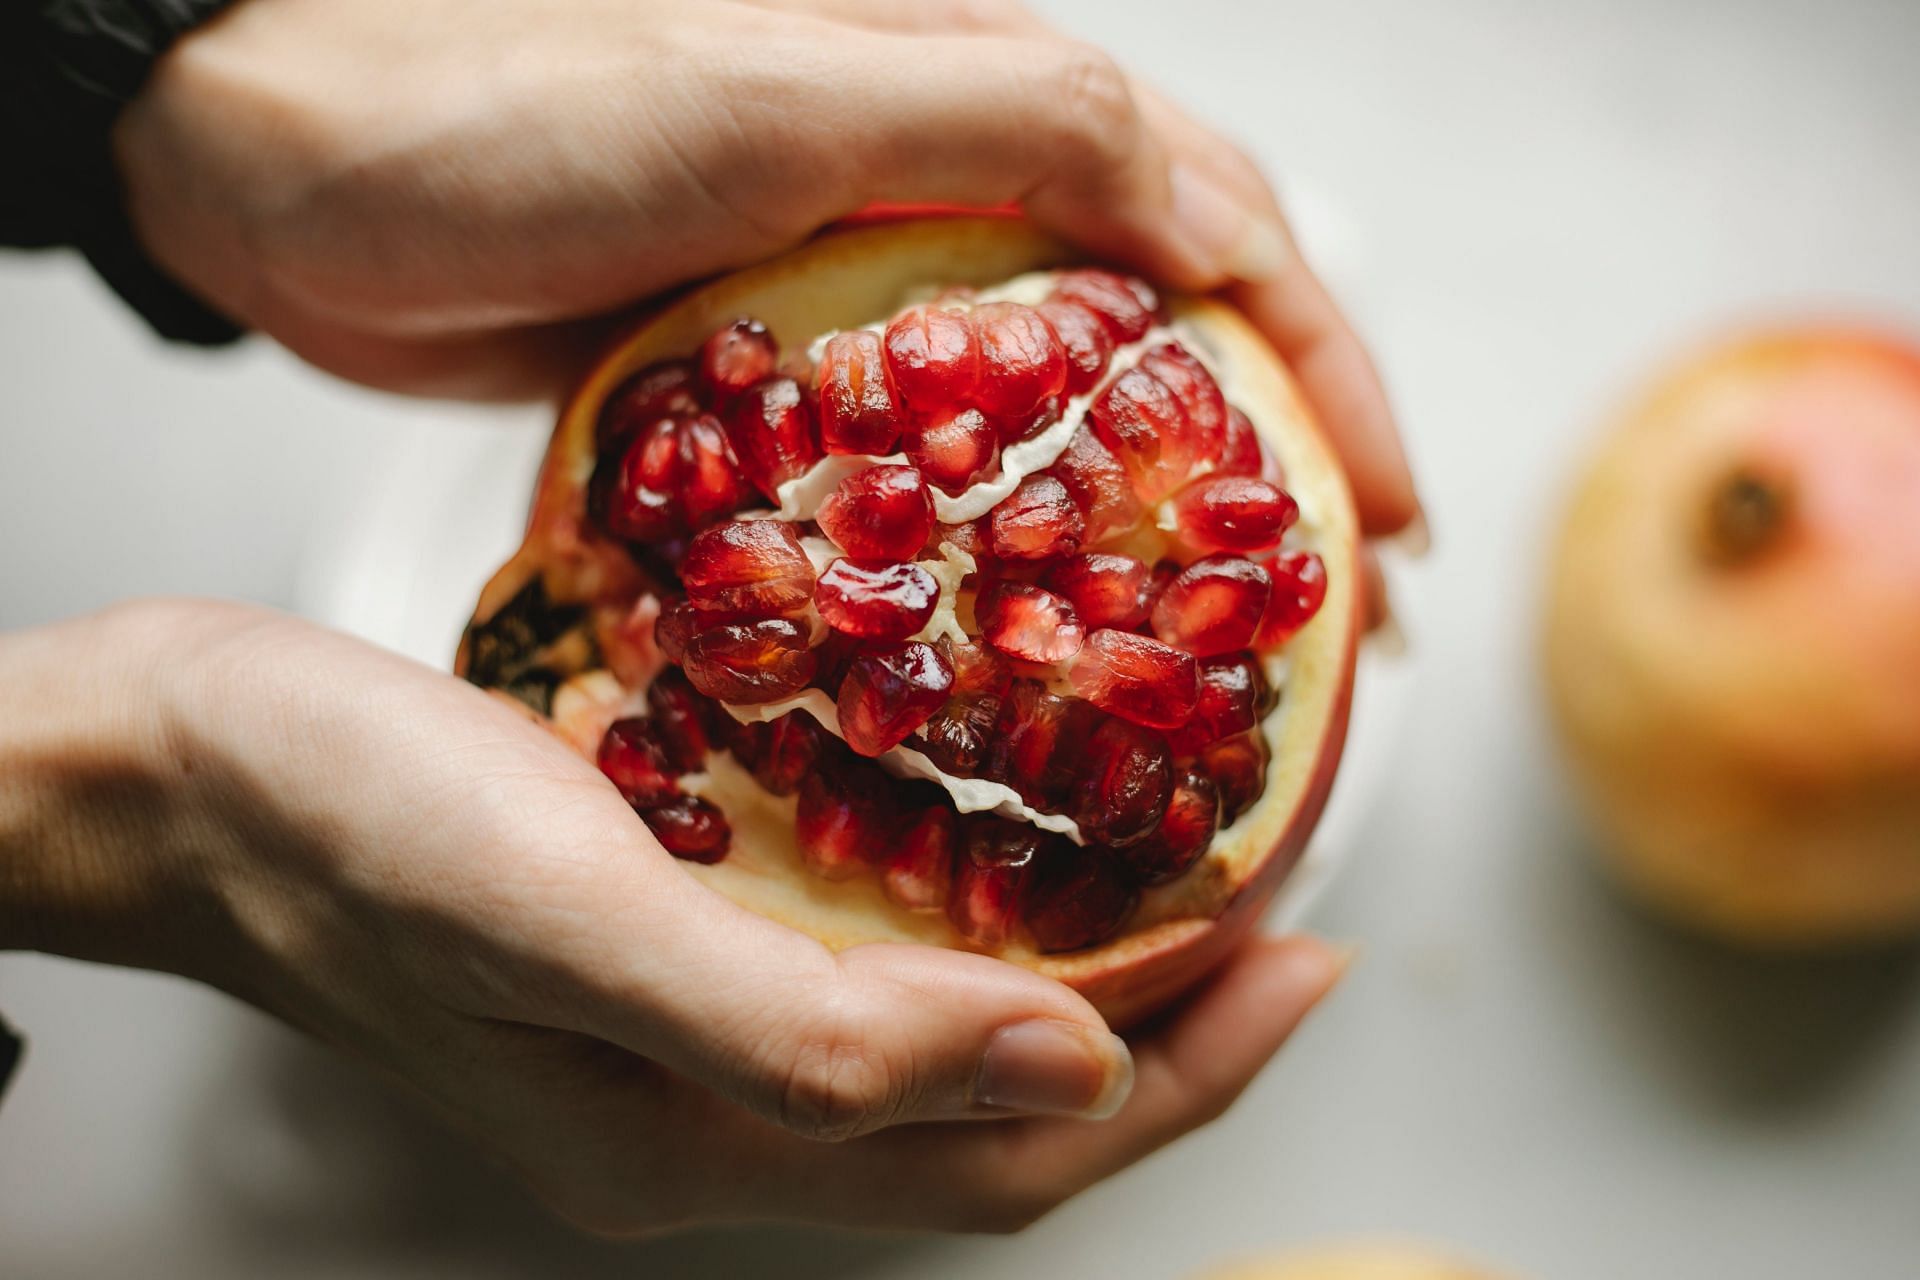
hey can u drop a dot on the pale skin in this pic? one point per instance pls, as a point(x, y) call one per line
point(450, 200)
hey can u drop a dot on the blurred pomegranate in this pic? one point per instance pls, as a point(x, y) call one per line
point(1733, 640)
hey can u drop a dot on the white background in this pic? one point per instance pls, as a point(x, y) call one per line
point(1530, 206)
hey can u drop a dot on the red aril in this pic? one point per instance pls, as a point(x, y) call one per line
point(1021, 360)
point(675, 626)
point(780, 753)
point(1238, 767)
point(955, 737)
point(1203, 410)
point(953, 448)
point(1233, 697)
point(1299, 589)
point(635, 760)
point(736, 357)
point(1104, 588)
point(1137, 678)
point(1028, 622)
point(1038, 521)
point(1186, 830)
point(771, 429)
point(1099, 485)
point(1124, 304)
point(1084, 339)
point(671, 477)
point(750, 662)
point(997, 859)
point(881, 513)
point(684, 720)
point(747, 569)
point(1122, 782)
point(1233, 513)
point(1240, 454)
point(888, 693)
point(933, 358)
point(1213, 606)
point(664, 390)
point(916, 871)
point(1077, 898)
point(1035, 746)
point(858, 411)
point(844, 818)
point(690, 828)
point(876, 602)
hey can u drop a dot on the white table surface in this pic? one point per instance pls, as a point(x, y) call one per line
point(1528, 205)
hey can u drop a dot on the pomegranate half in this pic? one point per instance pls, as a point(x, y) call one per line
point(1733, 639)
point(925, 585)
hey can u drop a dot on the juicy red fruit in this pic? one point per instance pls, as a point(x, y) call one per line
point(771, 429)
point(1233, 513)
point(1024, 621)
point(634, 758)
point(1036, 745)
point(953, 448)
point(881, 513)
point(916, 872)
point(1021, 359)
point(1185, 831)
point(1299, 589)
point(1238, 767)
point(845, 816)
point(886, 695)
point(932, 357)
point(1084, 340)
point(955, 737)
point(1137, 678)
point(1240, 454)
point(1124, 780)
point(690, 829)
point(1213, 606)
point(1123, 304)
point(736, 357)
point(997, 859)
point(1233, 697)
point(747, 569)
point(1037, 521)
point(1203, 408)
point(876, 602)
point(1077, 898)
point(858, 410)
point(671, 477)
point(1105, 589)
point(662, 390)
point(684, 719)
point(1099, 485)
point(750, 662)
point(781, 752)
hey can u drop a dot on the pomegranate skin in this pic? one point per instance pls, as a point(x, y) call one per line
point(1732, 641)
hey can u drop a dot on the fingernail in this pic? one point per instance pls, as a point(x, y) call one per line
point(1055, 1068)
point(1244, 243)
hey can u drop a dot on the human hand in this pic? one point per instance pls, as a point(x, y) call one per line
point(439, 199)
point(414, 871)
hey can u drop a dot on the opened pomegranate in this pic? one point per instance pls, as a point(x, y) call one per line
point(1733, 640)
point(1019, 620)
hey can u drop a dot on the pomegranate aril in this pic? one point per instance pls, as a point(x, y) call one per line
point(1125, 305)
point(1240, 453)
point(711, 484)
point(1214, 606)
point(747, 569)
point(690, 829)
point(953, 448)
point(1100, 486)
point(674, 627)
point(683, 718)
point(750, 662)
point(933, 358)
point(844, 818)
point(1078, 897)
point(1024, 621)
point(635, 760)
point(1085, 340)
point(781, 752)
point(977, 670)
point(1203, 408)
point(971, 537)
point(955, 737)
point(1105, 589)
point(1037, 521)
point(1122, 783)
point(736, 357)
point(658, 391)
point(887, 694)
point(876, 602)
point(1185, 831)
point(858, 411)
point(881, 513)
point(1137, 678)
point(1138, 418)
point(1021, 360)
point(1238, 767)
point(1233, 513)
point(1233, 697)
point(771, 427)
point(1299, 589)
point(917, 871)
point(671, 477)
point(1035, 747)
point(997, 859)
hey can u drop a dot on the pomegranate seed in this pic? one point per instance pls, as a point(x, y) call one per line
point(917, 872)
point(1105, 589)
point(858, 413)
point(1026, 426)
point(1099, 485)
point(888, 694)
point(955, 737)
point(1164, 572)
point(1021, 360)
point(1233, 697)
point(970, 537)
point(1233, 513)
point(634, 758)
point(690, 829)
point(684, 719)
point(1185, 831)
point(750, 662)
point(882, 513)
point(1202, 406)
point(845, 816)
point(747, 569)
point(1036, 745)
point(1037, 521)
point(1123, 304)
point(1238, 767)
point(933, 357)
point(1123, 781)
point(1077, 898)
point(1214, 606)
point(1138, 418)
point(953, 449)
point(674, 627)
point(673, 476)
point(997, 858)
point(876, 602)
point(771, 427)
point(736, 357)
point(781, 752)
point(1085, 339)
point(1025, 621)
point(658, 391)
point(1137, 677)
point(1240, 455)
point(1299, 589)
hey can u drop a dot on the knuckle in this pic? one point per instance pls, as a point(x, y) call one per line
point(1096, 104)
point(836, 1087)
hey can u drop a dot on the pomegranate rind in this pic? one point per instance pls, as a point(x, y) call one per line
point(856, 276)
point(1744, 732)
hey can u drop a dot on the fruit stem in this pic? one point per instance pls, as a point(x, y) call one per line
point(1745, 515)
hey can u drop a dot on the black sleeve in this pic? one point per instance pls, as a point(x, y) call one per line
point(10, 1047)
point(66, 69)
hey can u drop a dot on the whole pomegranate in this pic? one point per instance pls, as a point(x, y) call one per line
point(1733, 640)
point(925, 585)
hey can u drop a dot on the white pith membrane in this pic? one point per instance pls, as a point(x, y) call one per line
point(763, 869)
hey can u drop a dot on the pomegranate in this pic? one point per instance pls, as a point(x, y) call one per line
point(1733, 640)
point(988, 622)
